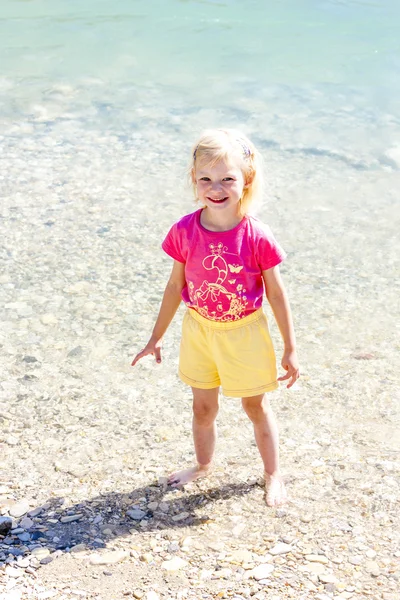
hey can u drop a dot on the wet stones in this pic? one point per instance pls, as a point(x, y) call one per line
point(136, 514)
point(5, 525)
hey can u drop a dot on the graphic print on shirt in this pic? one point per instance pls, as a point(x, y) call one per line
point(219, 298)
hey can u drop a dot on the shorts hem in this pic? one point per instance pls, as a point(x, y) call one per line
point(269, 387)
point(201, 385)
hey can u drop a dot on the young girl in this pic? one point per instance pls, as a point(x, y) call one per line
point(223, 260)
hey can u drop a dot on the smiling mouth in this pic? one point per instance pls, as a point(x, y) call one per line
point(217, 201)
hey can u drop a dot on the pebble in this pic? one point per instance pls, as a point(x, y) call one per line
point(372, 568)
point(19, 509)
point(175, 564)
point(26, 523)
point(315, 568)
point(36, 511)
point(146, 557)
point(11, 440)
point(71, 518)
point(5, 525)
point(262, 571)
point(40, 553)
point(356, 560)
point(23, 563)
point(327, 578)
point(281, 548)
point(224, 573)
point(13, 572)
point(317, 558)
point(152, 596)
point(78, 548)
point(181, 517)
point(108, 558)
point(242, 556)
point(306, 518)
point(136, 514)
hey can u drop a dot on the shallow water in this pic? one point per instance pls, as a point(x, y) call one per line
point(100, 103)
point(318, 74)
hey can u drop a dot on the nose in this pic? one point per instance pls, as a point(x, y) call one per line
point(216, 186)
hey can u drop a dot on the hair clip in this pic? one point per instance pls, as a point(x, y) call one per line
point(243, 145)
point(245, 148)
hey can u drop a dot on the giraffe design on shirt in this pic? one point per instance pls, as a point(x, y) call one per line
point(213, 299)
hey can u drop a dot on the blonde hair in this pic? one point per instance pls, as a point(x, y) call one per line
point(216, 145)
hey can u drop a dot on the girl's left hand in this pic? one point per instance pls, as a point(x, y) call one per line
point(291, 364)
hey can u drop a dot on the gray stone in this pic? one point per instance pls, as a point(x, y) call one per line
point(30, 359)
point(71, 518)
point(181, 517)
point(17, 530)
point(36, 511)
point(78, 548)
point(26, 523)
point(5, 525)
point(136, 514)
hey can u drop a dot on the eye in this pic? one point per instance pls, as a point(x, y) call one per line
point(204, 179)
point(228, 179)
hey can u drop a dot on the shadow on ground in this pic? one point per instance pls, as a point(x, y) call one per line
point(96, 522)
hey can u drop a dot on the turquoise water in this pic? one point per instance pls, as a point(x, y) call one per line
point(310, 73)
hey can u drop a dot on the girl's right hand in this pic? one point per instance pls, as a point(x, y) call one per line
point(153, 347)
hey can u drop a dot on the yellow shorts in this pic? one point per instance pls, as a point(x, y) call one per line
point(238, 355)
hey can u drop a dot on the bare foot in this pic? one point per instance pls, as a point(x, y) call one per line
point(187, 475)
point(275, 491)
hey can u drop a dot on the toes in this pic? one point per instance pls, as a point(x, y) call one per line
point(275, 494)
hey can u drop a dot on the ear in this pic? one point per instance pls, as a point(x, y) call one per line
point(193, 176)
point(249, 179)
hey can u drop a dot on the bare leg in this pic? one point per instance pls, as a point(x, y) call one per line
point(266, 434)
point(205, 410)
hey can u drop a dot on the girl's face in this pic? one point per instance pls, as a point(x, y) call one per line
point(220, 187)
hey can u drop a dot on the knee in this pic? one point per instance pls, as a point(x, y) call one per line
point(255, 408)
point(205, 414)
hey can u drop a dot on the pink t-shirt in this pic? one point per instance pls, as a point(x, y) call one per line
point(223, 269)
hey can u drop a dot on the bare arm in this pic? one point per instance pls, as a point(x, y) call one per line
point(279, 302)
point(169, 306)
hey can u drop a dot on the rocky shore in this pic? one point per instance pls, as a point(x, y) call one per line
point(86, 441)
